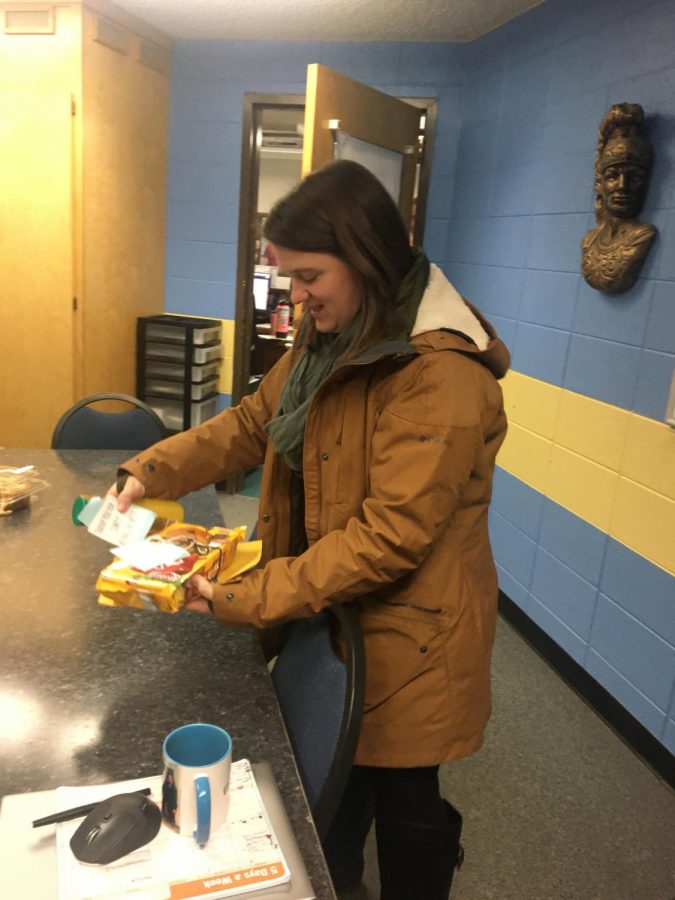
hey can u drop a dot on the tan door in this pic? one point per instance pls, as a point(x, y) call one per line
point(36, 263)
point(347, 119)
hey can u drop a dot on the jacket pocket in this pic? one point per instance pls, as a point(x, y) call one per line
point(350, 451)
point(406, 672)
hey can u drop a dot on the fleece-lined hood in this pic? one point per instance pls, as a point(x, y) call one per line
point(445, 320)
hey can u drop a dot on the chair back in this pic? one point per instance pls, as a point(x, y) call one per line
point(321, 701)
point(84, 428)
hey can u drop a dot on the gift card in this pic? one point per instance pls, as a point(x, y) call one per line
point(118, 528)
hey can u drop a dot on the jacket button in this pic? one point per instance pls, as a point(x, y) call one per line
point(229, 596)
point(265, 518)
point(150, 467)
point(423, 648)
point(325, 456)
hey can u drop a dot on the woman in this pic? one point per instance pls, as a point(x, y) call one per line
point(378, 433)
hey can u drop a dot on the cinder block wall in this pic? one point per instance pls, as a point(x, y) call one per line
point(583, 521)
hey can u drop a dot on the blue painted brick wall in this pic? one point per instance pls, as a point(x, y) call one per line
point(534, 93)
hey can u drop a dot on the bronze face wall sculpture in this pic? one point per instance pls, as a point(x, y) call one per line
point(612, 254)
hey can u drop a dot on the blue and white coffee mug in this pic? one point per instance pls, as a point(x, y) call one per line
point(196, 782)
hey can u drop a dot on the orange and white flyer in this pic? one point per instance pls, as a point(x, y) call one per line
point(244, 855)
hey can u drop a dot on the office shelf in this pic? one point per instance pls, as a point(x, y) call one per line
point(178, 367)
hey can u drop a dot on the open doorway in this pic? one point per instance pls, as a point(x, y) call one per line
point(272, 142)
point(271, 160)
point(279, 149)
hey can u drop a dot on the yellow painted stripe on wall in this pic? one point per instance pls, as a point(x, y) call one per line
point(645, 522)
point(611, 467)
point(593, 429)
point(582, 486)
point(649, 456)
point(531, 403)
point(227, 364)
point(527, 456)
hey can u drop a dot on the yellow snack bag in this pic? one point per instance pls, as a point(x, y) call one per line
point(209, 552)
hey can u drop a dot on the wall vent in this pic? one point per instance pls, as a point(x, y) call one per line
point(153, 56)
point(281, 140)
point(112, 36)
point(39, 20)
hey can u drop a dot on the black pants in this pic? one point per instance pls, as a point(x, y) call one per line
point(417, 833)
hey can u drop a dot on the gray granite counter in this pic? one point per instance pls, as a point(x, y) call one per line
point(87, 693)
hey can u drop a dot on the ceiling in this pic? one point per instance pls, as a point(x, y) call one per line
point(328, 20)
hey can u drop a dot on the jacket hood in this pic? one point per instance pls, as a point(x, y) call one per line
point(445, 320)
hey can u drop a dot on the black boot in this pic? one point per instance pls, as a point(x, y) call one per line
point(344, 843)
point(455, 823)
point(345, 864)
point(418, 861)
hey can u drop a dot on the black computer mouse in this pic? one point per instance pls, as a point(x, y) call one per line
point(115, 827)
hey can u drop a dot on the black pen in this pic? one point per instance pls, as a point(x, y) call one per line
point(76, 812)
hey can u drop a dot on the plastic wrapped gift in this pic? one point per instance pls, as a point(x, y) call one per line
point(17, 486)
point(172, 557)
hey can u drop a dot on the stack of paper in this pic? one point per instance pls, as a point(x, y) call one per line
point(244, 855)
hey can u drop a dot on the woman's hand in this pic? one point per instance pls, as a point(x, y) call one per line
point(199, 592)
point(132, 490)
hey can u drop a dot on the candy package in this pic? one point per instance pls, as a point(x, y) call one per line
point(162, 586)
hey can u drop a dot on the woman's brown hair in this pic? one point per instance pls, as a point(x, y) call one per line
point(342, 209)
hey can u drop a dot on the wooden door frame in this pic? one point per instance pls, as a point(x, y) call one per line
point(430, 107)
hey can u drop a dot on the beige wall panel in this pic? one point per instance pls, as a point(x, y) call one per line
point(50, 59)
point(36, 260)
point(38, 194)
point(125, 116)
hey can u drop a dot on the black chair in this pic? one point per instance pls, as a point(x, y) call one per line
point(321, 700)
point(83, 428)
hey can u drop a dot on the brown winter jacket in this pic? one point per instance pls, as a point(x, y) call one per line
point(399, 453)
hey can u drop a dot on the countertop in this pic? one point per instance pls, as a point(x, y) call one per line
point(87, 693)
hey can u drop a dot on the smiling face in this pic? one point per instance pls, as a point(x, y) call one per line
point(324, 284)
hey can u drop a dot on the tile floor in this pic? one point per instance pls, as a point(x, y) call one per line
point(556, 806)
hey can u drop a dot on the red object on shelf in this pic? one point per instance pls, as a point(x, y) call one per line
point(283, 312)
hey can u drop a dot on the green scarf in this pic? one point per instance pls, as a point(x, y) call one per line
point(287, 428)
